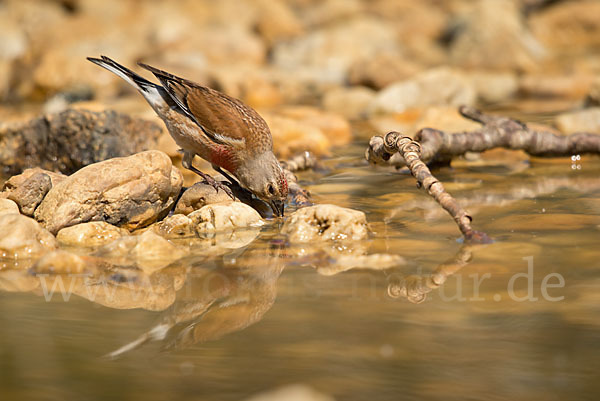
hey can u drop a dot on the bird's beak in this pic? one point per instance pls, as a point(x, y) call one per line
point(277, 206)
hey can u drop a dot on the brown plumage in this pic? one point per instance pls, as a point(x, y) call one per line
point(215, 126)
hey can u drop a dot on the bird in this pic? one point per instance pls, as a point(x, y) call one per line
point(220, 129)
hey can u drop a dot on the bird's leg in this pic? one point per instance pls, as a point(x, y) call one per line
point(187, 163)
point(232, 180)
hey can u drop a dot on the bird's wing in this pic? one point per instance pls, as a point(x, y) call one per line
point(222, 118)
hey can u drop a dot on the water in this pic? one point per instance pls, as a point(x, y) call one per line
point(273, 314)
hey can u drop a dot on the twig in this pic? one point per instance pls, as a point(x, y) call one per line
point(496, 132)
point(410, 151)
point(299, 196)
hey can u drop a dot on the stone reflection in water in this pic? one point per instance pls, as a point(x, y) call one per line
point(218, 301)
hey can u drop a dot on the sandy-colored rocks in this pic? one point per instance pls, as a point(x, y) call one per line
point(28, 189)
point(175, 226)
point(291, 392)
point(276, 21)
point(351, 102)
point(8, 206)
point(568, 25)
point(129, 192)
point(225, 216)
point(492, 87)
point(439, 86)
point(336, 128)
point(198, 195)
point(382, 70)
point(586, 120)
point(573, 86)
point(72, 139)
point(492, 35)
point(59, 262)
point(21, 237)
point(333, 49)
point(344, 262)
point(90, 234)
point(325, 222)
point(291, 137)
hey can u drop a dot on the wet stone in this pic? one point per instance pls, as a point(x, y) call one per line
point(59, 262)
point(225, 216)
point(21, 237)
point(90, 234)
point(198, 195)
point(325, 222)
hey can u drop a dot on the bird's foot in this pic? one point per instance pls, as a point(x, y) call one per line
point(212, 182)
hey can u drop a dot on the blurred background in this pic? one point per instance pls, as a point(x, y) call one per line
point(396, 64)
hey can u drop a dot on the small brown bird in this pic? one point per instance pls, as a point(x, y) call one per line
point(218, 128)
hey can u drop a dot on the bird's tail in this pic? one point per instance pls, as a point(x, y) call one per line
point(131, 77)
point(151, 91)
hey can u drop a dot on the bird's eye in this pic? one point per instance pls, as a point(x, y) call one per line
point(271, 189)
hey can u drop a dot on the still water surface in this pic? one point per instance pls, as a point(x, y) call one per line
point(272, 314)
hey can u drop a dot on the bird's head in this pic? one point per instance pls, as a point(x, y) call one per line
point(264, 177)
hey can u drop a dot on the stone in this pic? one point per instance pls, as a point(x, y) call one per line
point(586, 120)
point(568, 25)
point(542, 85)
point(345, 262)
point(225, 216)
point(333, 49)
point(276, 21)
point(90, 234)
point(382, 70)
point(351, 102)
point(198, 195)
point(439, 86)
point(291, 137)
point(175, 226)
point(59, 262)
point(29, 188)
point(492, 35)
point(291, 392)
point(8, 206)
point(31, 193)
point(335, 127)
point(325, 223)
point(72, 139)
point(129, 192)
point(21, 237)
point(494, 87)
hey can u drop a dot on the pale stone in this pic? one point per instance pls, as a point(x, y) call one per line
point(90, 234)
point(225, 216)
point(21, 237)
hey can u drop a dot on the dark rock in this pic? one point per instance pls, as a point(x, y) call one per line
point(72, 139)
point(28, 189)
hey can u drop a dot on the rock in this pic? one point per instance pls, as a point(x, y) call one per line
point(325, 222)
point(492, 35)
point(382, 70)
point(493, 87)
point(90, 234)
point(333, 49)
point(29, 188)
point(175, 226)
point(21, 237)
point(336, 128)
point(445, 118)
point(8, 206)
point(350, 102)
point(551, 85)
point(587, 120)
point(198, 195)
point(568, 25)
point(291, 137)
point(129, 192)
point(440, 86)
point(31, 193)
point(59, 262)
point(291, 392)
point(225, 216)
point(376, 261)
point(277, 21)
point(72, 139)
point(148, 251)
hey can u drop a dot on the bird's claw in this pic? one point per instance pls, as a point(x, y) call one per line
point(219, 185)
